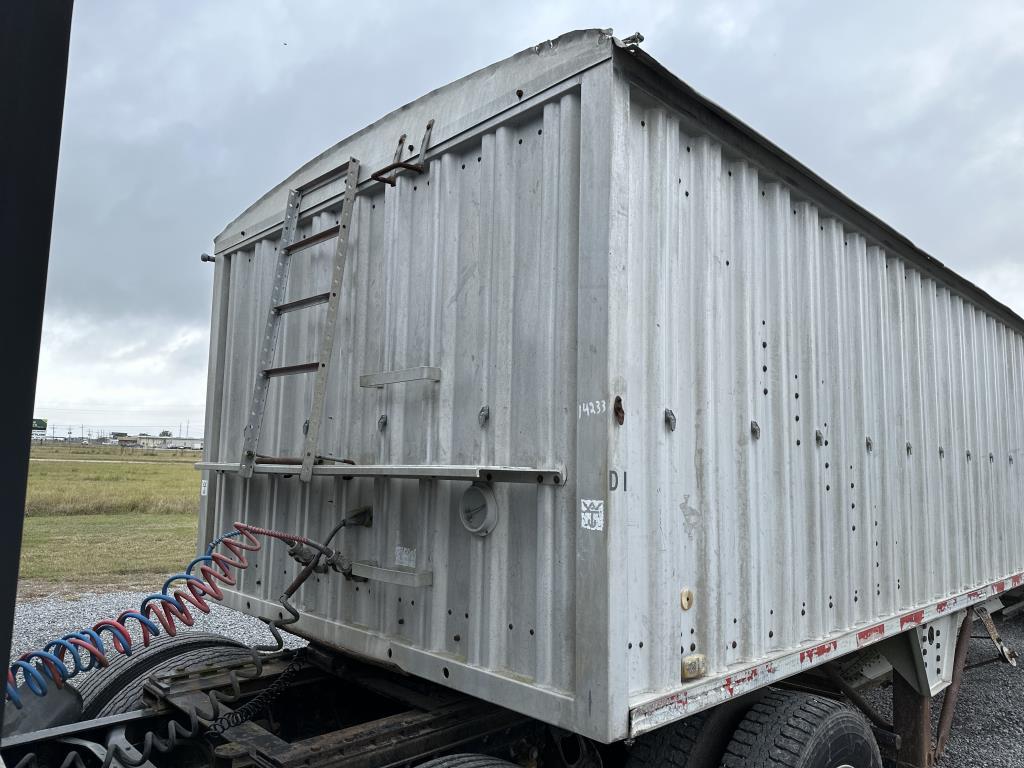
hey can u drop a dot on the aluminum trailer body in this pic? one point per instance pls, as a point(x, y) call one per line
point(742, 421)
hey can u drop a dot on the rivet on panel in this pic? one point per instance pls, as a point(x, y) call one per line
point(619, 411)
point(755, 430)
point(991, 459)
point(686, 599)
point(868, 444)
point(910, 449)
point(968, 455)
point(818, 437)
point(670, 420)
point(484, 415)
point(942, 452)
point(382, 422)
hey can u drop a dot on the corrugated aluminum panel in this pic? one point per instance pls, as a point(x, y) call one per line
point(888, 411)
point(470, 267)
point(846, 412)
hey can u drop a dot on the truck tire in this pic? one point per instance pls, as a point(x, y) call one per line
point(686, 744)
point(118, 688)
point(787, 729)
point(467, 760)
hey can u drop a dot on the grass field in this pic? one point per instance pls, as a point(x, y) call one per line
point(97, 517)
point(112, 453)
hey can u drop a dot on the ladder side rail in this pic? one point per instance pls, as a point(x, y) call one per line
point(309, 454)
point(268, 345)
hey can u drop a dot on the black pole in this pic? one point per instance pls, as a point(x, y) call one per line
point(34, 38)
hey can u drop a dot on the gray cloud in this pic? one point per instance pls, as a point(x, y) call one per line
point(180, 115)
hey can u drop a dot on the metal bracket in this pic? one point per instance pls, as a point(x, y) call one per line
point(1006, 653)
point(399, 165)
point(420, 373)
point(403, 577)
point(912, 706)
point(923, 656)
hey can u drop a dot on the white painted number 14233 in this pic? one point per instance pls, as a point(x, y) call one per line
point(591, 408)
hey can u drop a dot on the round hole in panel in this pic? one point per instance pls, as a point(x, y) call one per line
point(478, 509)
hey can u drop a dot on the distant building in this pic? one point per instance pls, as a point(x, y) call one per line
point(177, 443)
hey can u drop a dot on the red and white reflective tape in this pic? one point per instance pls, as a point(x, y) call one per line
point(713, 690)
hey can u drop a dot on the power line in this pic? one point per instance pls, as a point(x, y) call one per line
point(104, 426)
point(159, 409)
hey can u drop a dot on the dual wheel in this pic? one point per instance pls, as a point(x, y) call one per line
point(784, 729)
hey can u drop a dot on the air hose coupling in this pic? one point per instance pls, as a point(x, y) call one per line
point(343, 565)
point(304, 555)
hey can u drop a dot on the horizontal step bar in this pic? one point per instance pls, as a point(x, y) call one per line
point(292, 460)
point(469, 473)
point(311, 240)
point(308, 301)
point(420, 373)
point(291, 370)
point(403, 577)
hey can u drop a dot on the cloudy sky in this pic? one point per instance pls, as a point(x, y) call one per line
point(178, 115)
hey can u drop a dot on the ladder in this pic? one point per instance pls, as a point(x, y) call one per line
point(290, 244)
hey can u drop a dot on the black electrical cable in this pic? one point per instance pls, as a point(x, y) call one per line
point(293, 615)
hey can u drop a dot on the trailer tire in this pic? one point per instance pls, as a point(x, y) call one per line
point(118, 688)
point(467, 760)
point(676, 745)
point(787, 729)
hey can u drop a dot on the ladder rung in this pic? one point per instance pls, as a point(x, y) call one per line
point(319, 237)
point(290, 370)
point(308, 301)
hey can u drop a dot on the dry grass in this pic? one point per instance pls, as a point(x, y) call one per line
point(111, 488)
point(97, 520)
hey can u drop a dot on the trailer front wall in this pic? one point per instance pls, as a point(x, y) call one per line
point(470, 267)
point(848, 430)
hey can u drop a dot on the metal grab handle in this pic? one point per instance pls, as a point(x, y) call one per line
point(402, 165)
point(403, 577)
point(419, 373)
point(405, 165)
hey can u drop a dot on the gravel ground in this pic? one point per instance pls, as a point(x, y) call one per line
point(988, 730)
point(36, 622)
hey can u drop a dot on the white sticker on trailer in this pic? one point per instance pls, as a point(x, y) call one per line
point(405, 556)
point(592, 514)
point(203, 486)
